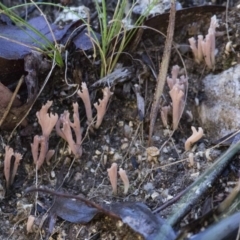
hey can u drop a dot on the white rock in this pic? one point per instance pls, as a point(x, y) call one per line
point(97, 152)
point(124, 146)
point(220, 112)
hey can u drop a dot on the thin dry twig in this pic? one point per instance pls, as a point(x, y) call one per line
point(163, 70)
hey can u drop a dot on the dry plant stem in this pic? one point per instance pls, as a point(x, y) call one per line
point(195, 191)
point(47, 22)
point(163, 70)
point(11, 101)
point(79, 198)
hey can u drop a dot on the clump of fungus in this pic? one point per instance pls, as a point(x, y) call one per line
point(124, 177)
point(101, 105)
point(178, 87)
point(112, 174)
point(9, 170)
point(204, 48)
point(39, 147)
point(66, 133)
point(196, 135)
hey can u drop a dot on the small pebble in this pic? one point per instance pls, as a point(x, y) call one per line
point(154, 195)
point(97, 152)
point(124, 146)
point(130, 124)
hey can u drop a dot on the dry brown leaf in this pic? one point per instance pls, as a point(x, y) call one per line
point(5, 97)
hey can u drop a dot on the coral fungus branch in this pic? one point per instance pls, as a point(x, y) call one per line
point(196, 135)
point(84, 95)
point(101, 106)
point(66, 133)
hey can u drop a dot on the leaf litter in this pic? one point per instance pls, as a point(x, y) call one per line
point(136, 215)
point(133, 214)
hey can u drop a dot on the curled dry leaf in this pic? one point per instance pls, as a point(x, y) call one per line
point(6, 96)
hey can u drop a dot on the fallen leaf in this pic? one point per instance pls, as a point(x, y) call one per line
point(16, 42)
point(137, 216)
point(140, 218)
point(73, 210)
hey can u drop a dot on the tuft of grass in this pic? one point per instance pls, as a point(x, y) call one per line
point(115, 35)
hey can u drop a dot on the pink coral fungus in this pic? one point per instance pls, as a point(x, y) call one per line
point(9, 170)
point(66, 133)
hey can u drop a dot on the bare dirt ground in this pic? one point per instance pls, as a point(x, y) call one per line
point(122, 138)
